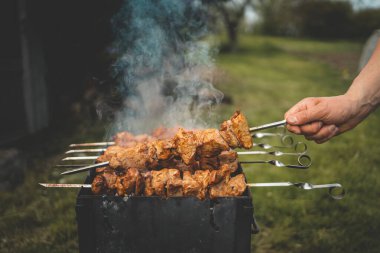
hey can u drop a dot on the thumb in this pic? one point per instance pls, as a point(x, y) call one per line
point(305, 116)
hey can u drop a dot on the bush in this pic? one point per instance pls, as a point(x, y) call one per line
point(324, 19)
point(365, 22)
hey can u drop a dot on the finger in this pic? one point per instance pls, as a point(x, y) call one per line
point(294, 129)
point(326, 139)
point(312, 113)
point(325, 133)
point(311, 128)
point(301, 105)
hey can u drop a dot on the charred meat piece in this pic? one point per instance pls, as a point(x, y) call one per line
point(191, 187)
point(241, 130)
point(228, 134)
point(98, 185)
point(142, 156)
point(109, 153)
point(186, 143)
point(236, 186)
point(209, 163)
point(110, 178)
point(233, 166)
point(227, 156)
point(100, 170)
point(233, 187)
point(203, 178)
point(165, 149)
point(211, 143)
point(174, 183)
point(159, 179)
point(218, 190)
point(216, 176)
point(148, 187)
point(127, 183)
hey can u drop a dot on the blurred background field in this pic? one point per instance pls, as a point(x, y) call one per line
point(265, 70)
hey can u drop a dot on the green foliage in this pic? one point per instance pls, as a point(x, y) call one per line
point(264, 83)
point(325, 19)
point(365, 22)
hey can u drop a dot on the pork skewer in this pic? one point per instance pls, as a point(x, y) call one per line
point(252, 129)
point(274, 153)
point(187, 147)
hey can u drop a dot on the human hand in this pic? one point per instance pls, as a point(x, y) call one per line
point(322, 118)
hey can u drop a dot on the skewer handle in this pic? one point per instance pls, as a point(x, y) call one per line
point(266, 126)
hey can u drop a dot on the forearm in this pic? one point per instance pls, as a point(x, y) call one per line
point(365, 89)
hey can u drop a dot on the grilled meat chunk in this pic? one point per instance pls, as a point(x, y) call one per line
point(109, 153)
point(227, 156)
point(159, 179)
point(186, 143)
point(165, 149)
point(203, 178)
point(241, 129)
point(148, 187)
point(174, 183)
point(223, 173)
point(129, 183)
point(142, 156)
point(233, 187)
point(236, 186)
point(209, 163)
point(228, 134)
point(98, 185)
point(191, 187)
point(210, 142)
point(110, 178)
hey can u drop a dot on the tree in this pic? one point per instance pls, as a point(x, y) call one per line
point(231, 13)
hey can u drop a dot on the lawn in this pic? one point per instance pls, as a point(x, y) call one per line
point(263, 79)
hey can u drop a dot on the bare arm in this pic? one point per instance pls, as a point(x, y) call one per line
point(322, 118)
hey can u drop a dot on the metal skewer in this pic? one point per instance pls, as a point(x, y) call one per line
point(274, 153)
point(266, 126)
point(86, 168)
point(304, 162)
point(78, 158)
point(49, 185)
point(93, 150)
point(304, 186)
point(109, 143)
point(307, 186)
point(71, 165)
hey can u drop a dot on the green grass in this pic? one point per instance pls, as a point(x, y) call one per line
point(265, 78)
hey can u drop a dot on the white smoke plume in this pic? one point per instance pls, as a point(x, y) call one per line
point(163, 65)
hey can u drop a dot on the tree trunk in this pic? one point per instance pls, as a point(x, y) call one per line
point(232, 30)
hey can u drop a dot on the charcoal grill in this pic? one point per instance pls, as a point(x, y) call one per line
point(152, 224)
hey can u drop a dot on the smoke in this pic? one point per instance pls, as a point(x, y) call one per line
point(163, 65)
